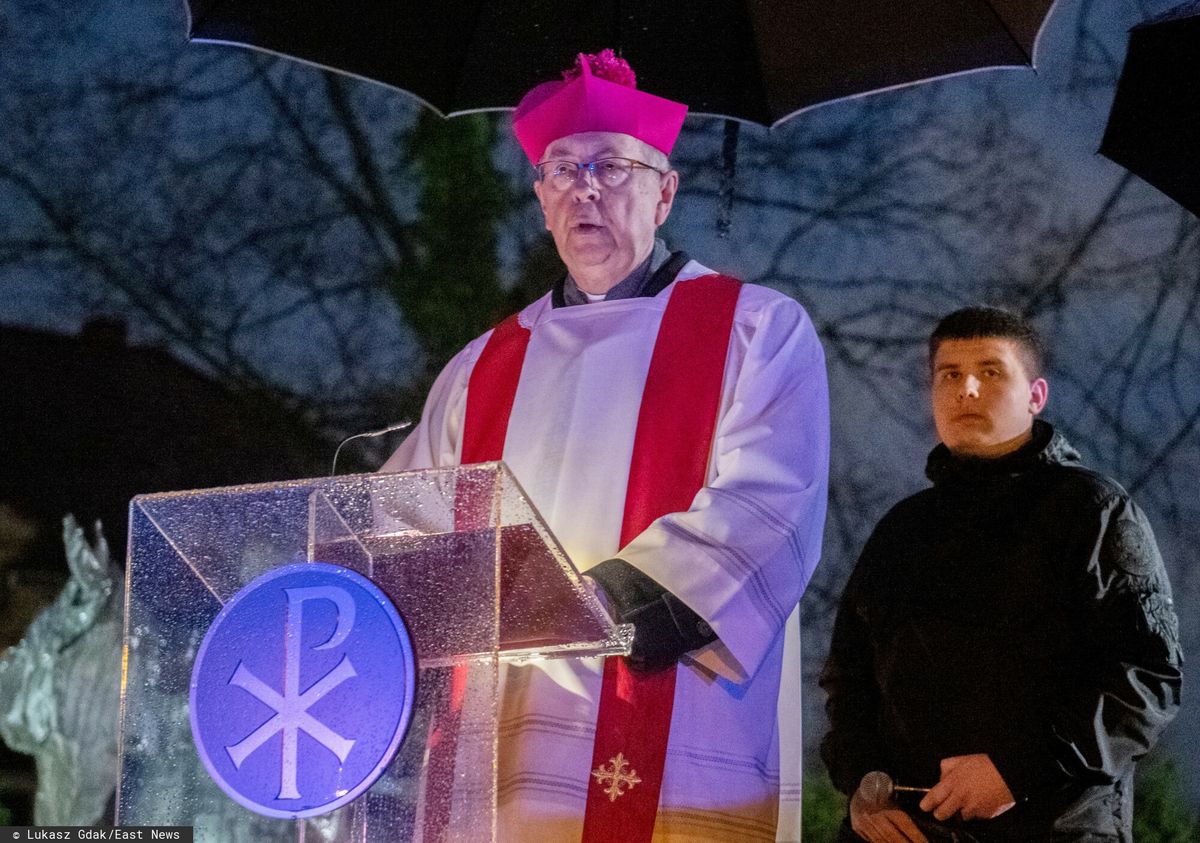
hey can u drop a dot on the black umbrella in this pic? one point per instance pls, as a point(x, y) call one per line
point(1154, 127)
point(757, 60)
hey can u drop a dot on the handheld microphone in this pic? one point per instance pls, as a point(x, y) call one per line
point(368, 434)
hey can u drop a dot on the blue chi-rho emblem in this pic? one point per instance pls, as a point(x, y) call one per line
point(302, 690)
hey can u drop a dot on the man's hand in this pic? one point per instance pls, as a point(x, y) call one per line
point(882, 823)
point(970, 785)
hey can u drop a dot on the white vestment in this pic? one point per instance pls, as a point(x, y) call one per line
point(740, 556)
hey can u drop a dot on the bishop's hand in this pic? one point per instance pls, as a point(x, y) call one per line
point(664, 627)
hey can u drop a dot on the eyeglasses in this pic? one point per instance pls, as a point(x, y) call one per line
point(605, 172)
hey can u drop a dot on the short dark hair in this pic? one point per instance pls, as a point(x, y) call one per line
point(972, 323)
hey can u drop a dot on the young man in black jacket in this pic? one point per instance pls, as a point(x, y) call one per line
point(1007, 638)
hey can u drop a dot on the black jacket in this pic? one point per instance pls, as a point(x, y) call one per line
point(1018, 608)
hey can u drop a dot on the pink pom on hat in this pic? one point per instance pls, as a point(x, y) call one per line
point(597, 95)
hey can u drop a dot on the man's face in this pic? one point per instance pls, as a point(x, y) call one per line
point(603, 233)
point(983, 400)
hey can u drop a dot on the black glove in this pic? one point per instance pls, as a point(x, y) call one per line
point(664, 628)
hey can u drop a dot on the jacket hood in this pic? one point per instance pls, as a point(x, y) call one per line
point(1047, 447)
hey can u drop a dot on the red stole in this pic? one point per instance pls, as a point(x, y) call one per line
point(670, 458)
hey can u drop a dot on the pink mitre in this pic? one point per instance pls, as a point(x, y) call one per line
point(597, 95)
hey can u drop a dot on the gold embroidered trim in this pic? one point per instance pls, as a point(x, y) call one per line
point(615, 776)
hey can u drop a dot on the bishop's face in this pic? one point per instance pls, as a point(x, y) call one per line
point(603, 233)
point(983, 399)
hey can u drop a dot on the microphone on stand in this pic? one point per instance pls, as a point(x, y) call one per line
point(368, 434)
point(877, 789)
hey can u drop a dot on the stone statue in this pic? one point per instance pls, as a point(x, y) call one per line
point(59, 702)
point(59, 688)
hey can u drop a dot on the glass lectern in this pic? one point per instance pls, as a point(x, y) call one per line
point(474, 573)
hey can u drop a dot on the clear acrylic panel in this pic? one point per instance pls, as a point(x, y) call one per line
point(460, 552)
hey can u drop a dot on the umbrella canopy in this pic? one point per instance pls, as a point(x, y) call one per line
point(1154, 126)
point(759, 60)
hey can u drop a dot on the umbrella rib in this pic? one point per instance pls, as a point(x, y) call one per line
point(1031, 53)
point(1008, 30)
